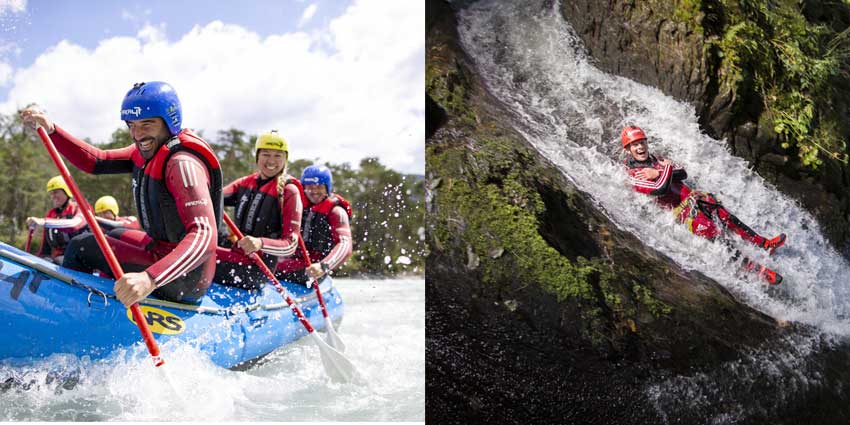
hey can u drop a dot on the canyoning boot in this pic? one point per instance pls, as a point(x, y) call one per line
point(765, 274)
point(771, 244)
point(770, 276)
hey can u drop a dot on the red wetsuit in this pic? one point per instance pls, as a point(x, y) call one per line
point(259, 213)
point(327, 235)
point(694, 208)
point(60, 225)
point(129, 222)
point(177, 194)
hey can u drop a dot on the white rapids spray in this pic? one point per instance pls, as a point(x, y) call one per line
point(384, 328)
point(531, 60)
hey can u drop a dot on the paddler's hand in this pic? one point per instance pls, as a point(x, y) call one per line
point(315, 271)
point(32, 116)
point(647, 174)
point(250, 244)
point(35, 222)
point(133, 287)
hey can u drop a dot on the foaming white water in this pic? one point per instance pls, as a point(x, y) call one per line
point(531, 60)
point(383, 327)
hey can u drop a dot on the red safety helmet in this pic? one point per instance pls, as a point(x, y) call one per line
point(631, 134)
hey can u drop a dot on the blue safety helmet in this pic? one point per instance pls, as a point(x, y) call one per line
point(153, 99)
point(318, 174)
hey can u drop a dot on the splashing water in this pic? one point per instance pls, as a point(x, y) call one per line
point(571, 112)
point(384, 329)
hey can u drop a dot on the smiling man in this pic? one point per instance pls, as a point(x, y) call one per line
point(326, 229)
point(177, 189)
point(700, 211)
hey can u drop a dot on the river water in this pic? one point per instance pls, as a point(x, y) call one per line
point(532, 61)
point(383, 328)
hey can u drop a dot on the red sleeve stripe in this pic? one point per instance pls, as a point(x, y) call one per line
point(189, 259)
point(665, 174)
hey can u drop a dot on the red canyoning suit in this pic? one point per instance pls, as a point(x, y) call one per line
point(700, 211)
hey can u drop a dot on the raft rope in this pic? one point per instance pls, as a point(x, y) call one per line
point(147, 301)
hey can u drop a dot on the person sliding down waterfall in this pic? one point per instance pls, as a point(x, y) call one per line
point(700, 211)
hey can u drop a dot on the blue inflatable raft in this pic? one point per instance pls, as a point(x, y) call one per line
point(46, 309)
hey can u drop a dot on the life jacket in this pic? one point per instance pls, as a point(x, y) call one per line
point(156, 206)
point(57, 239)
point(258, 208)
point(316, 228)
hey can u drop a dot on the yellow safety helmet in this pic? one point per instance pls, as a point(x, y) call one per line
point(271, 140)
point(106, 203)
point(58, 183)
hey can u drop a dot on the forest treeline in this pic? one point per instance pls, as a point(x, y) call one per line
point(389, 214)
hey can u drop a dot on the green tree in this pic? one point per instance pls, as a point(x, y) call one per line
point(235, 151)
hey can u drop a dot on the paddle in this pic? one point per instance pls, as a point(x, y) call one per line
point(333, 338)
point(29, 241)
point(84, 206)
point(337, 366)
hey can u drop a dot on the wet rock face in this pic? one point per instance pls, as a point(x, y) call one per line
point(491, 365)
point(632, 39)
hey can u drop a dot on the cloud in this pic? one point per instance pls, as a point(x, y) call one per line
point(307, 15)
point(12, 6)
point(352, 91)
point(5, 73)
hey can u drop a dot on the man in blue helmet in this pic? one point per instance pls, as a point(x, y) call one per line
point(324, 227)
point(177, 189)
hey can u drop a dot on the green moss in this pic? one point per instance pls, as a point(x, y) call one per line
point(445, 84)
point(645, 296)
point(485, 214)
point(689, 12)
point(505, 216)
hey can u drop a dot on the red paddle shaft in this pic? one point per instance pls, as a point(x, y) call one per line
point(259, 261)
point(315, 281)
point(153, 348)
point(29, 241)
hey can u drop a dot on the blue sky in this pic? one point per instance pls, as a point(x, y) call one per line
point(340, 79)
point(46, 23)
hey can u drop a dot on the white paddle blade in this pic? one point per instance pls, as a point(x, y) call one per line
point(337, 366)
point(333, 338)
